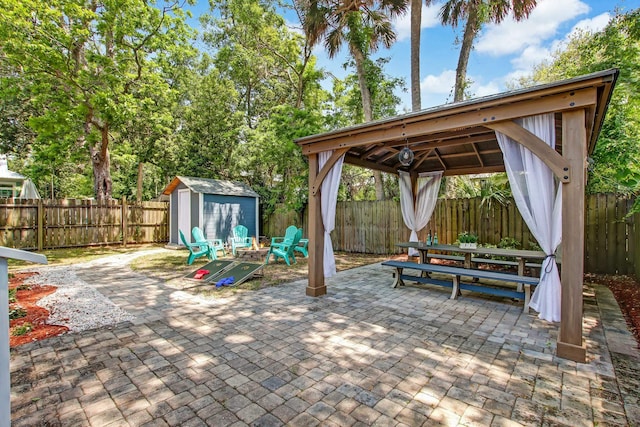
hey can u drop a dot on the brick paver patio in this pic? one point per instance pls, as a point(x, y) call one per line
point(365, 354)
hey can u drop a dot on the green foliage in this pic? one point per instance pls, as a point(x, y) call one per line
point(509, 243)
point(23, 329)
point(85, 69)
point(615, 165)
point(347, 106)
point(17, 312)
point(490, 189)
point(12, 295)
point(466, 237)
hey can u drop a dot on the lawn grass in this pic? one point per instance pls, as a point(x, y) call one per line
point(68, 256)
point(172, 267)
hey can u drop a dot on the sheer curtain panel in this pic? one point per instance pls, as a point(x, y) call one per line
point(328, 200)
point(538, 197)
point(417, 213)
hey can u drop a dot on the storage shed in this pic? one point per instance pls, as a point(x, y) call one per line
point(213, 205)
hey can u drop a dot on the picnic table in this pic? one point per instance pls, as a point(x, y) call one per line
point(435, 251)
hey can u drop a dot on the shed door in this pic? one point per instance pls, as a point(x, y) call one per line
point(184, 214)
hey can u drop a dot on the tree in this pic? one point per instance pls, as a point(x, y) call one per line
point(615, 165)
point(476, 13)
point(269, 63)
point(363, 26)
point(416, 30)
point(90, 66)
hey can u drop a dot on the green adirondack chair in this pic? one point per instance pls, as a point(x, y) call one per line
point(289, 234)
point(303, 247)
point(196, 250)
point(286, 252)
point(215, 245)
point(239, 239)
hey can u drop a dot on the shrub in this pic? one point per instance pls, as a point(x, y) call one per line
point(19, 330)
point(17, 312)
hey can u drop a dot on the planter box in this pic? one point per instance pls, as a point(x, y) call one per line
point(468, 246)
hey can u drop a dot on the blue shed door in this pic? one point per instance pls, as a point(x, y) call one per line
point(222, 213)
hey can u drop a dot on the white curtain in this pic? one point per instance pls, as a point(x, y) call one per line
point(328, 200)
point(539, 199)
point(416, 214)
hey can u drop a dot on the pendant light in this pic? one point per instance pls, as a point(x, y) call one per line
point(406, 156)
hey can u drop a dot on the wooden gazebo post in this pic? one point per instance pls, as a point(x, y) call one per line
point(570, 343)
point(316, 286)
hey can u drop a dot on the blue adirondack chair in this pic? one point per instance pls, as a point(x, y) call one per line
point(285, 253)
point(239, 239)
point(215, 245)
point(196, 250)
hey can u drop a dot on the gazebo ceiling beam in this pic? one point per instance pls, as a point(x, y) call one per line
point(558, 164)
point(357, 161)
point(420, 159)
point(487, 137)
point(473, 170)
point(468, 154)
point(430, 123)
point(477, 154)
point(444, 166)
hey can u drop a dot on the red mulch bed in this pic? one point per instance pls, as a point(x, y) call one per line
point(36, 316)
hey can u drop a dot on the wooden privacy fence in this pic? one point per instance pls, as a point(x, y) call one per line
point(47, 224)
point(375, 227)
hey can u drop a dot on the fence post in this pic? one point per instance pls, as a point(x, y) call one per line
point(124, 220)
point(40, 219)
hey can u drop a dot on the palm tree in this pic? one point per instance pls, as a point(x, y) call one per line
point(477, 13)
point(363, 25)
point(416, 18)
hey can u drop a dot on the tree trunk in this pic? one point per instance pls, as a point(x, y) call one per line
point(140, 179)
point(101, 167)
point(416, 18)
point(367, 109)
point(470, 31)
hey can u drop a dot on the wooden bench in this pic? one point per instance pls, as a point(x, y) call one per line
point(457, 272)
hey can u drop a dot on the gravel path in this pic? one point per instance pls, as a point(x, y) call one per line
point(76, 304)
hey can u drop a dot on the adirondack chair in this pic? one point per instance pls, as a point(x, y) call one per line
point(287, 252)
point(289, 234)
point(302, 247)
point(196, 250)
point(239, 239)
point(215, 245)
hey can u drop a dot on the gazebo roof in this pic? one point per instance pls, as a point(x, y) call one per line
point(458, 138)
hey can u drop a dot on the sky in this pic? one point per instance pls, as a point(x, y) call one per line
point(501, 54)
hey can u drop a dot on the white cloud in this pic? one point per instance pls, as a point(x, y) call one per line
point(402, 25)
point(530, 56)
point(536, 54)
point(437, 89)
point(510, 36)
point(594, 24)
point(441, 84)
point(479, 90)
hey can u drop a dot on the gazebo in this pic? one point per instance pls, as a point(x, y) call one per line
point(461, 138)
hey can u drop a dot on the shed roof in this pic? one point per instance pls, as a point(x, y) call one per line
point(211, 186)
point(458, 138)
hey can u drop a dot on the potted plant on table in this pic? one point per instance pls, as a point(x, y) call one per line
point(468, 240)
